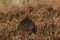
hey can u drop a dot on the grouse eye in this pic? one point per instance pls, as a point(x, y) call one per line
point(30, 8)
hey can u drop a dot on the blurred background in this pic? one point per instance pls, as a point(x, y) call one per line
point(21, 2)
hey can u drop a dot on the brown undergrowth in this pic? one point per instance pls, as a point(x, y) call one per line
point(43, 22)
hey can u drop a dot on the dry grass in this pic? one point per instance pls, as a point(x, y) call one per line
point(45, 18)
